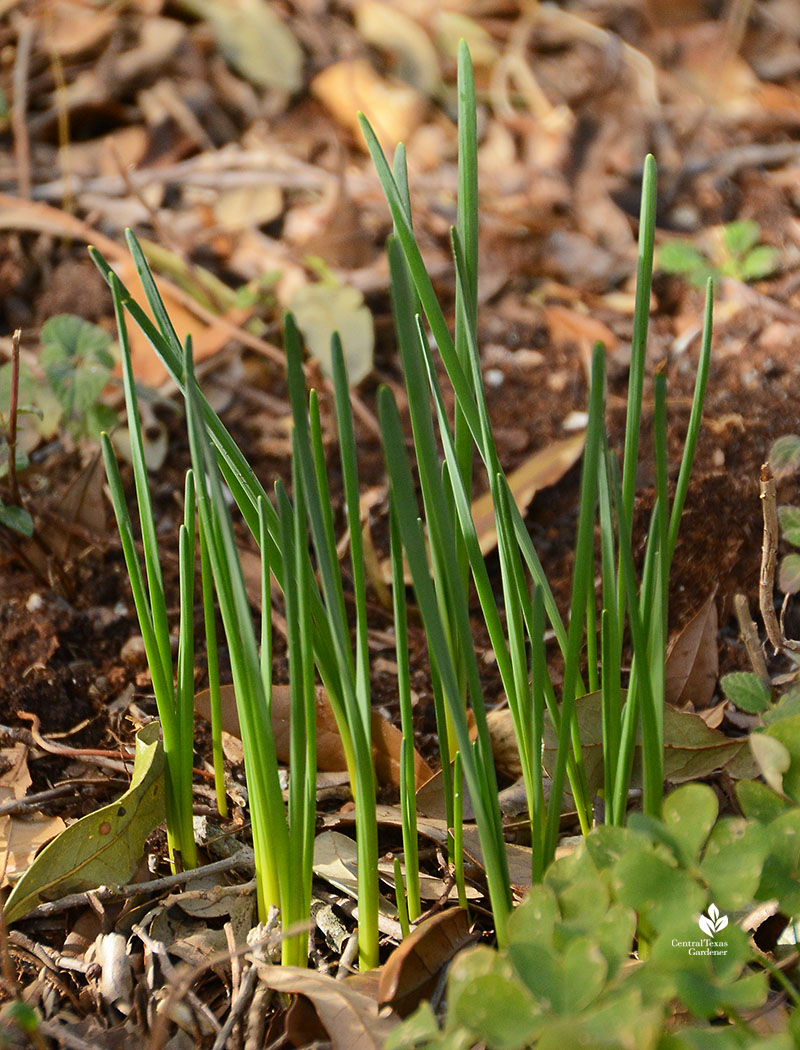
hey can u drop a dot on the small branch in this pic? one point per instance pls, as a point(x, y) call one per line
point(749, 634)
point(769, 553)
point(13, 411)
point(136, 889)
point(19, 108)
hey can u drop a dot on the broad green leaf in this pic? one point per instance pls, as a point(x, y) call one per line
point(421, 1028)
point(741, 236)
point(614, 936)
point(40, 410)
point(784, 456)
point(705, 999)
point(789, 574)
point(787, 707)
point(689, 813)
point(486, 996)
point(322, 309)
point(616, 1022)
point(789, 518)
point(534, 920)
point(732, 862)
point(77, 362)
point(607, 843)
point(584, 902)
point(758, 802)
point(103, 848)
point(786, 732)
point(585, 971)
point(540, 968)
point(16, 518)
point(747, 691)
point(658, 891)
point(780, 877)
point(678, 257)
point(772, 757)
point(759, 263)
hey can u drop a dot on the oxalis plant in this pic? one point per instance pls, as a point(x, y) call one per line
point(433, 534)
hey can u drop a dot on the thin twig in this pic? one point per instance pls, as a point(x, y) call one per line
point(28, 802)
point(769, 554)
point(19, 109)
point(64, 1036)
point(749, 633)
point(159, 949)
point(61, 749)
point(240, 1002)
point(13, 412)
point(239, 861)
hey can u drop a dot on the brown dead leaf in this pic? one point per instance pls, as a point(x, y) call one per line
point(74, 28)
point(386, 738)
point(20, 837)
point(415, 58)
point(351, 1018)
point(518, 857)
point(713, 716)
point(691, 749)
point(504, 743)
point(542, 469)
point(568, 325)
point(394, 109)
point(692, 666)
point(207, 338)
point(412, 970)
point(247, 206)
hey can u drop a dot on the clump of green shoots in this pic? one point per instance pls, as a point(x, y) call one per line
point(436, 539)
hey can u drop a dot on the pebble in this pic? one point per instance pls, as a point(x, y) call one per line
point(133, 651)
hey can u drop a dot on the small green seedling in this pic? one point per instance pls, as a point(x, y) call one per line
point(735, 252)
point(77, 361)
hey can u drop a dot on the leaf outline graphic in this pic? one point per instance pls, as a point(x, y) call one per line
point(706, 925)
point(721, 923)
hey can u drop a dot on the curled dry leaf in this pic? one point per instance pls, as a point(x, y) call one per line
point(412, 970)
point(542, 469)
point(324, 308)
point(336, 861)
point(389, 28)
point(692, 666)
point(103, 848)
point(20, 837)
point(691, 750)
point(394, 109)
point(351, 1018)
point(255, 41)
point(386, 738)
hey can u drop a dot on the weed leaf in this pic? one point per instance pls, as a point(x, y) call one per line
point(103, 848)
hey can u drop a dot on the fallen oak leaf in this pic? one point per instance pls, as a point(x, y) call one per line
point(104, 847)
point(541, 470)
point(692, 664)
point(691, 749)
point(352, 1019)
point(20, 838)
point(412, 970)
point(386, 738)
